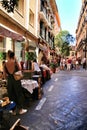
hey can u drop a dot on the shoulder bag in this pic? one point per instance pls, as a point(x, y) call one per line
point(18, 75)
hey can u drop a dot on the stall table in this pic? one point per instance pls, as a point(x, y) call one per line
point(30, 85)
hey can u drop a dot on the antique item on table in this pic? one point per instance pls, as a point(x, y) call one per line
point(3, 88)
point(4, 101)
point(3, 92)
point(18, 75)
point(3, 83)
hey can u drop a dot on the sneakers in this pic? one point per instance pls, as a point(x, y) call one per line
point(12, 112)
point(22, 111)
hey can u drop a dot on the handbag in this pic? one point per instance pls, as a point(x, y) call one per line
point(18, 75)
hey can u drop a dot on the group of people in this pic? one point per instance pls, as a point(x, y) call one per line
point(14, 87)
point(72, 63)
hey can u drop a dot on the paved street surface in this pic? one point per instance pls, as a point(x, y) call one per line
point(63, 105)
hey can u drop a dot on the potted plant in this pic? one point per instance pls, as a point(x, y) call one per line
point(29, 57)
point(53, 67)
point(1, 56)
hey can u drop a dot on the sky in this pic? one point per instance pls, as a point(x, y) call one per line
point(69, 12)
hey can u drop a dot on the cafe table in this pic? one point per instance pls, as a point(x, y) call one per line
point(29, 84)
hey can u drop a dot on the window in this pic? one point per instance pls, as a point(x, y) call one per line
point(20, 7)
point(31, 18)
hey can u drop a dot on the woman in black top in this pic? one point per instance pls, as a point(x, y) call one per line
point(14, 87)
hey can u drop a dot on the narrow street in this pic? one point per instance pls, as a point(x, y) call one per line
point(37, 37)
point(63, 105)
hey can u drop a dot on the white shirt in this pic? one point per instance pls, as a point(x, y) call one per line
point(36, 67)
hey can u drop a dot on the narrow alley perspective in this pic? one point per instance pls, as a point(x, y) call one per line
point(43, 64)
point(63, 105)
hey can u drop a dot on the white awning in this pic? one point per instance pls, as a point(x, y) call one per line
point(7, 32)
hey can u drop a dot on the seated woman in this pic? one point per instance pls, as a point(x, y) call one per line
point(44, 66)
point(46, 69)
point(35, 68)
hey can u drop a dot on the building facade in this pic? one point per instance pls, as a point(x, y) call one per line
point(81, 32)
point(30, 25)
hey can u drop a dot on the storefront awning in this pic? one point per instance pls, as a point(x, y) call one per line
point(7, 32)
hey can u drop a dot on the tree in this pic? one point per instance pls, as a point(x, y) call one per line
point(9, 5)
point(70, 38)
point(62, 41)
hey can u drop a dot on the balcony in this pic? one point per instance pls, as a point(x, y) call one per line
point(43, 18)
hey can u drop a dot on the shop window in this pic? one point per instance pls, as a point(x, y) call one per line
point(18, 47)
point(31, 18)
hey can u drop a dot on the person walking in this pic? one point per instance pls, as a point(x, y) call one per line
point(69, 61)
point(14, 88)
point(84, 63)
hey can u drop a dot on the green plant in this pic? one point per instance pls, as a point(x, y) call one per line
point(1, 56)
point(9, 5)
point(30, 56)
point(52, 65)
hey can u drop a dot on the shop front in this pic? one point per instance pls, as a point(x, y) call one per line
point(12, 40)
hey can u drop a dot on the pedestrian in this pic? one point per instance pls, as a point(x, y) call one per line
point(14, 88)
point(77, 64)
point(84, 63)
point(69, 61)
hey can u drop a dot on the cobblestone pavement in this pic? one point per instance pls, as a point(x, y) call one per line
point(63, 105)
